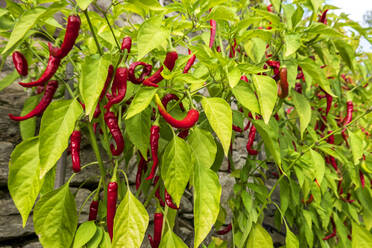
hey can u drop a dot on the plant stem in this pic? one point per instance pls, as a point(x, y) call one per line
point(93, 33)
point(96, 152)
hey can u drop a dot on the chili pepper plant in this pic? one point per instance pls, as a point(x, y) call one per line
point(174, 91)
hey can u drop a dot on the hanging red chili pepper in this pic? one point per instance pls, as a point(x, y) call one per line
point(269, 8)
point(169, 62)
point(158, 226)
point(154, 140)
point(213, 32)
point(189, 63)
point(72, 32)
point(347, 120)
point(169, 201)
point(50, 70)
point(323, 17)
point(112, 196)
point(226, 230)
point(169, 97)
point(75, 150)
point(298, 88)
point(146, 70)
point(362, 179)
point(332, 160)
point(43, 104)
point(283, 83)
point(112, 124)
point(141, 168)
point(237, 129)
point(110, 74)
point(20, 63)
point(333, 234)
point(118, 88)
point(126, 44)
point(232, 50)
point(251, 136)
point(183, 133)
point(157, 192)
point(329, 103)
point(93, 210)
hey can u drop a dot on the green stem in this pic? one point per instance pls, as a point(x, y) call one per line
point(152, 193)
point(93, 33)
point(96, 152)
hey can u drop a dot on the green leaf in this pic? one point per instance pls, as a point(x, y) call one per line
point(106, 241)
point(319, 166)
point(316, 5)
point(219, 115)
point(84, 233)
point(223, 13)
point(140, 102)
point(267, 94)
point(27, 127)
point(346, 51)
point(255, 49)
point(176, 168)
point(303, 110)
point(56, 126)
point(246, 97)
point(291, 240)
point(8, 79)
point(138, 130)
point(356, 144)
point(297, 16)
point(207, 189)
point(292, 42)
point(151, 35)
point(83, 4)
point(24, 182)
point(55, 218)
point(259, 237)
point(96, 239)
point(93, 76)
point(362, 238)
point(130, 223)
point(276, 4)
point(233, 76)
point(24, 24)
point(171, 240)
point(203, 147)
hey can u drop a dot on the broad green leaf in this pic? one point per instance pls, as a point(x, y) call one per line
point(288, 10)
point(269, 133)
point(171, 240)
point(106, 241)
point(276, 4)
point(24, 24)
point(207, 189)
point(324, 30)
point(223, 13)
point(316, 5)
point(312, 70)
point(138, 130)
point(151, 35)
point(24, 182)
point(292, 42)
point(319, 166)
point(83, 4)
point(303, 110)
point(219, 115)
point(8, 79)
point(56, 126)
point(346, 52)
point(297, 16)
point(176, 167)
point(94, 72)
point(55, 218)
point(96, 239)
point(267, 94)
point(246, 97)
point(362, 238)
point(233, 76)
point(130, 223)
point(84, 233)
point(27, 127)
point(291, 240)
point(259, 237)
point(203, 147)
point(140, 102)
point(356, 144)
point(255, 49)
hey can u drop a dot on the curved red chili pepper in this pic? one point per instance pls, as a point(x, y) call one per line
point(118, 88)
point(169, 62)
point(310, 200)
point(112, 124)
point(283, 83)
point(169, 97)
point(93, 210)
point(158, 226)
point(169, 201)
point(126, 44)
point(145, 72)
point(226, 230)
point(237, 129)
point(213, 32)
point(347, 120)
point(333, 234)
point(75, 150)
point(154, 141)
point(329, 103)
point(72, 32)
point(50, 70)
point(323, 17)
point(110, 74)
point(157, 192)
point(20, 63)
point(112, 196)
point(251, 136)
point(43, 104)
point(189, 63)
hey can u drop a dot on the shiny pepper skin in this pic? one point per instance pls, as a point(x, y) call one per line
point(43, 104)
point(72, 32)
point(20, 63)
point(112, 196)
point(147, 68)
point(93, 210)
point(154, 141)
point(189, 63)
point(169, 62)
point(158, 226)
point(187, 122)
point(110, 74)
point(348, 119)
point(169, 97)
point(118, 88)
point(226, 230)
point(283, 83)
point(112, 124)
point(323, 17)
point(75, 150)
point(126, 44)
point(213, 32)
point(169, 201)
point(251, 136)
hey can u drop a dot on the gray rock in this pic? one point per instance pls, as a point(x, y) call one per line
point(33, 245)
point(11, 227)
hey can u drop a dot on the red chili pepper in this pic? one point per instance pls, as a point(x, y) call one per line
point(269, 8)
point(43, 104)
point(93, 210)
point(154, 140)
point(187, 122)
point(169, 62)
point(189, 63)
point(347, 120)
point(118, 88)
point(310, 200)
point(50, 70)
point(183, 133)
point(126, 44)
point(157, 192)
point(158, 226)
point(40, 89)
point(169, 97)
point(226, 230)
point(213, 32)
point(145, 72)
point(141, 167)
point(232, 50)
point(112, 124)
point(110, 74)
point(244, 78)
point(72, 32)
point(333, 234)
point(75, 150)
point(169, 201)
point(362, 180)
point(329, 103)
point(298, 88)
point(323, 17)
point(283, 83)
point(20, 63)
point(251, 136)
point(237, 129)
point(112, 196)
